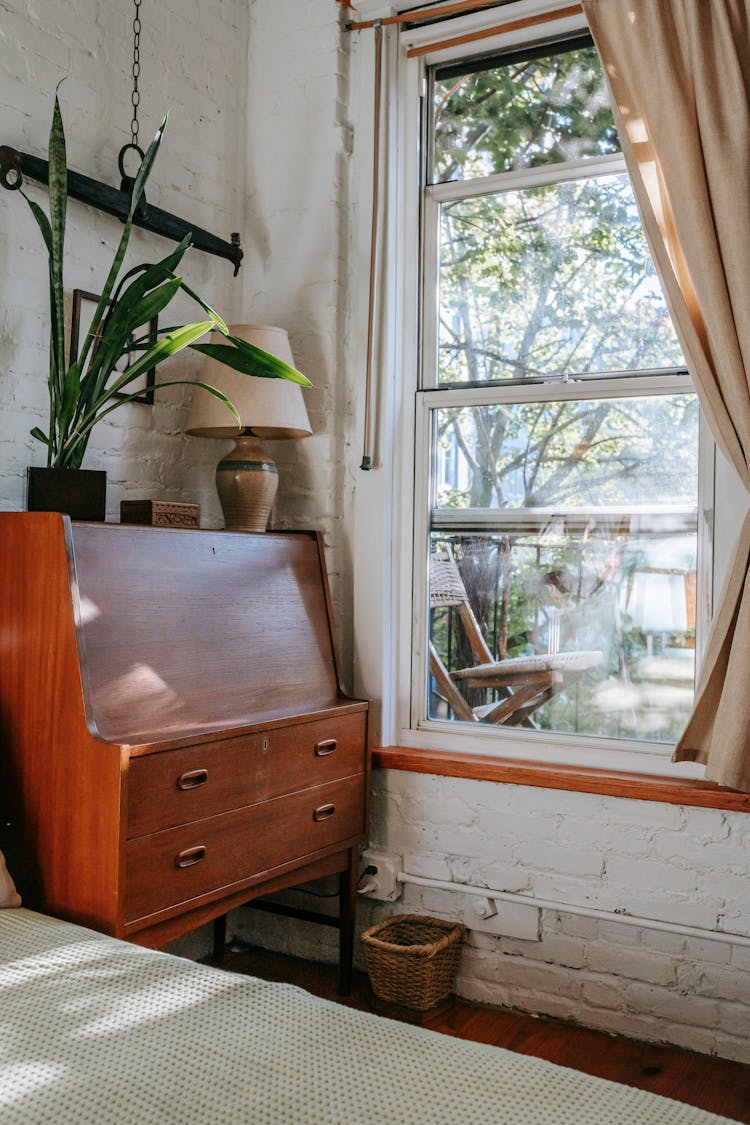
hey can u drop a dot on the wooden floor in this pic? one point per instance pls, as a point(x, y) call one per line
point(717, 1085)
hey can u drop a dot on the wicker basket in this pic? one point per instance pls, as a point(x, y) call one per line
point(412, 959)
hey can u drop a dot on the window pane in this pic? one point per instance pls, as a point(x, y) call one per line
point(521, 114)
point(586, 567)
point(602, 621)
point(623, 454)
point(553, 280)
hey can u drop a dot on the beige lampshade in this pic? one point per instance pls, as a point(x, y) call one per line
point(269, 408)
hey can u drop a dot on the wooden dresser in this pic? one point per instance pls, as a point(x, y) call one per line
point(175, 740)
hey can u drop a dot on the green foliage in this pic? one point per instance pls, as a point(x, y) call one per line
point(521, 115)
point(84, 393)
point(550, 281)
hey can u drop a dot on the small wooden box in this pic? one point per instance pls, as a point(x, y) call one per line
point(160, 513)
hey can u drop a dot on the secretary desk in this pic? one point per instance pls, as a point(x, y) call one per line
point(174, 735)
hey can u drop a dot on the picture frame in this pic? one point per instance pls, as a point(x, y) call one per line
point(84, 306)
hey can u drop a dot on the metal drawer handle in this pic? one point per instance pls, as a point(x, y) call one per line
point(192, 779)
point(323, 812)
point(190, 856)
point(324, 748)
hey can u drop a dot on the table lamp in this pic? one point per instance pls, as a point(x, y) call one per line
point(247, 477)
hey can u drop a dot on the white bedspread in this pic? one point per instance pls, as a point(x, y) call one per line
point(95, 1031)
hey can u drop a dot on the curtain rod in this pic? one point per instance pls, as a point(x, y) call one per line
point(498, 29)
point(437, 12)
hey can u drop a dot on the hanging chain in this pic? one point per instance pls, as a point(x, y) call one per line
point(135, 97)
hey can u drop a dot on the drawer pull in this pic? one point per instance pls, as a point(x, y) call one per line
point(323, 812)
point(192, 779)
point(325, 747)
point(190, 856)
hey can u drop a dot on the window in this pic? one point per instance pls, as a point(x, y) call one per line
point(557, 429)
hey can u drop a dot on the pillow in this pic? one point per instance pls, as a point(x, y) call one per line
point(9, 896)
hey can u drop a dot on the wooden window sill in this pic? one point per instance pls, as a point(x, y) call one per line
point(611, 783)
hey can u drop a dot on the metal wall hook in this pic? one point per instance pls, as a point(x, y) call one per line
point(11, 176)
point(127, 182)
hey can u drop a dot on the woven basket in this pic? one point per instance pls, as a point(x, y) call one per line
point(412, 959)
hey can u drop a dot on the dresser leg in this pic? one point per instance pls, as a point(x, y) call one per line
point(220, 937)
point(347, 905)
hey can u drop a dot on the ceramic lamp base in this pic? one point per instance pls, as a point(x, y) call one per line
point(246, 481)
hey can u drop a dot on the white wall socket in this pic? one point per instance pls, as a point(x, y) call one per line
point(505, 919)
point(379, 878)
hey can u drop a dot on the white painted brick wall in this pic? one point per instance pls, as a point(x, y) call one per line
point(195, 69)
point(655, 985)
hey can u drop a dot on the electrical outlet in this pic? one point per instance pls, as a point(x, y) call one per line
point(505, 919)
point(379, 878)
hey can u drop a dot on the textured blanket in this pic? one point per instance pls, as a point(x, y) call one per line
point(95, 1031)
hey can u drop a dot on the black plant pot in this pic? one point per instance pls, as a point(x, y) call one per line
point(81, 493)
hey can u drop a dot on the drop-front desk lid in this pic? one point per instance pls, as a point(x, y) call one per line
point(184, 633)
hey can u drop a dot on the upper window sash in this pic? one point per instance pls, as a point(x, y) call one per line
point(486, 32)
point(545, 174)
point(516, 110)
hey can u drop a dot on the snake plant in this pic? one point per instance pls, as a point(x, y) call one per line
point(84, 392)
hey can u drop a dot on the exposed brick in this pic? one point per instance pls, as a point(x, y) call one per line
point(730, 1047)
point(635, 964)
point(649, 875)
point(741, 957)
point(619, 934)
point(557, 949)
point(692, 1011)
point(724, 981)
point(576, 925)
point(735, 1019)
point(601, 993)
point(566, 861)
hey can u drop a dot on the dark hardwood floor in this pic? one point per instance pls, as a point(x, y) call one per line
point(713, 1084)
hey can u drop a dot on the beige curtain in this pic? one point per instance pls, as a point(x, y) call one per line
point(679, 71)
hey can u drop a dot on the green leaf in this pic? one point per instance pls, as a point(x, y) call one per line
point(220, 325)
point(42, 221)
point(119, 326)
point(161, 350)
point(71, 388)
point(152, 272)
point(250, 360)
point(58, 198)
point(145, 169)
point(122, 318)
point(140, 182)
point(72, 454)
point(39, 435)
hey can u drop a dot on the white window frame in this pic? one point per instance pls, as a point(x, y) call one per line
point(390, 653)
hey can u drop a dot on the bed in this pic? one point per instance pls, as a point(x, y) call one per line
point(96, 1031)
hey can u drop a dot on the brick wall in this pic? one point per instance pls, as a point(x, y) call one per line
point(680, 865)
point(193, 64)
point(299, 146)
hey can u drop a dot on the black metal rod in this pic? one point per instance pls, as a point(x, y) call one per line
point(14, 165)
point(295, 912)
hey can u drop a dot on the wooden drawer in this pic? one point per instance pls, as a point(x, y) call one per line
point(180, 864)
point(180, 786)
